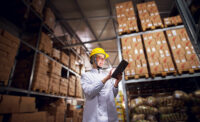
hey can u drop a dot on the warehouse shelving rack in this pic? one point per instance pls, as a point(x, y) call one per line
point(29, 92)
point(193, 34)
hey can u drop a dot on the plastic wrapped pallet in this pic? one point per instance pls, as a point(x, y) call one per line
point(149, 15)
point(64, 86)
point(49, 18)
point(9, 46)
point(126, 17)
point(41, 78)
point(133, 52)
point(183, 51)
point(45, 44)
point(158, 54)
point(170, 21)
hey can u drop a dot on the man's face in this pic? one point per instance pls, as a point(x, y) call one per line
point(100, 60)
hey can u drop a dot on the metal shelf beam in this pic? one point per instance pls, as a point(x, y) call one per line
point(162, 78)
point(49, 57)
point(11, 89)
point(152, 31)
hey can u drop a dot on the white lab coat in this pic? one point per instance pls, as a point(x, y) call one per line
point(100, 103)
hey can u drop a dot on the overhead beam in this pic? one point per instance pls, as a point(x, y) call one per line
point(88, 42)
point(88, 18)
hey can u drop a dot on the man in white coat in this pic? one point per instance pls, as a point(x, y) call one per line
point(99, 90)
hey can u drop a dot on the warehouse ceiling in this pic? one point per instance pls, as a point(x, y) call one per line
point(94, 22)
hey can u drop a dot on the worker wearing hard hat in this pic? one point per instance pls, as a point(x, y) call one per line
point(99, 90)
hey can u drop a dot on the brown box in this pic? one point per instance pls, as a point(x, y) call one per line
point(11, 37)
point(78, 88)
point(50, 118)
point(27, 104)
point(9, 104)
point(55, 68)
point(29, 117)
point(56, 54)
point(54, 83)
point(64, 86)
point(64, 59)
point(68, 119)
point(46, 44)
point(49, 18)
point(72, 84)
point(38, 5)
point(72, 61)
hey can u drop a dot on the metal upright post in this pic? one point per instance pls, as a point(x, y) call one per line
point(34, 60)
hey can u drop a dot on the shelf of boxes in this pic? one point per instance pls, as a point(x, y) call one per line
point(126, 18)
point(149, 15)
point(172, 21)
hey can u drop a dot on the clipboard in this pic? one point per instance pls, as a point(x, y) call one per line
point(120, 68)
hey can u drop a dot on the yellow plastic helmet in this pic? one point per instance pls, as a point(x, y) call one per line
point(99, 51)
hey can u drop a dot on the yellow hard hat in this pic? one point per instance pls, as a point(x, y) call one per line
point(98, 51)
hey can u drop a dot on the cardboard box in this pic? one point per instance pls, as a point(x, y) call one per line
point(9, 104)
point(56, 54)
point(72, 86)
point(46, 44)
point(38, 5)
point(54, 83)
point(64, 86)
point(11, 37)
point(50, 119)
point(27, 104)
point(55, 68)
point(49, 18)
point(68, 119)
point(29, 117)
point(64, 59)
point(78, 88)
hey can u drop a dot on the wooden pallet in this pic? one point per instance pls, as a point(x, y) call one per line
point(56, 59)
point(42, 90)
point(63, 94)
point(128, 32)
point(148, 28)
point(164, 74)
point(190, 71)
point(137, 76)
point(159, 26)
point(53, 92)
point(174, 24)
point(44, 51)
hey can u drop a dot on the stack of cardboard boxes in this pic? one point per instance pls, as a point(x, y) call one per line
point(64, 58)
point(55, 77)
point(64, 86)
point(133, 52)
point(45, 44)
point(56, 54)
point(38, 5)
point(183, 51)
point(158, 53)
point(175, 20)
point(20, 109)
point(72, 61)
point(9, 45)
point(56, 110)
point(72, 83)
point(126, 18)
point(79, 93)
point(149, 15)
point(73, 114)
point(41, 78)
point(49, 18)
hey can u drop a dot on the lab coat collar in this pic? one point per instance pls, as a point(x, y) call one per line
point(96, 70)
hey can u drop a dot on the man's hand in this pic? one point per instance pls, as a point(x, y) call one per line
point(119, 78)
point(108, 76)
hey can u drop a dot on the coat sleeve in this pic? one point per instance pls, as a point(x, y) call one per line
point(90, 89)
point(115, 90)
